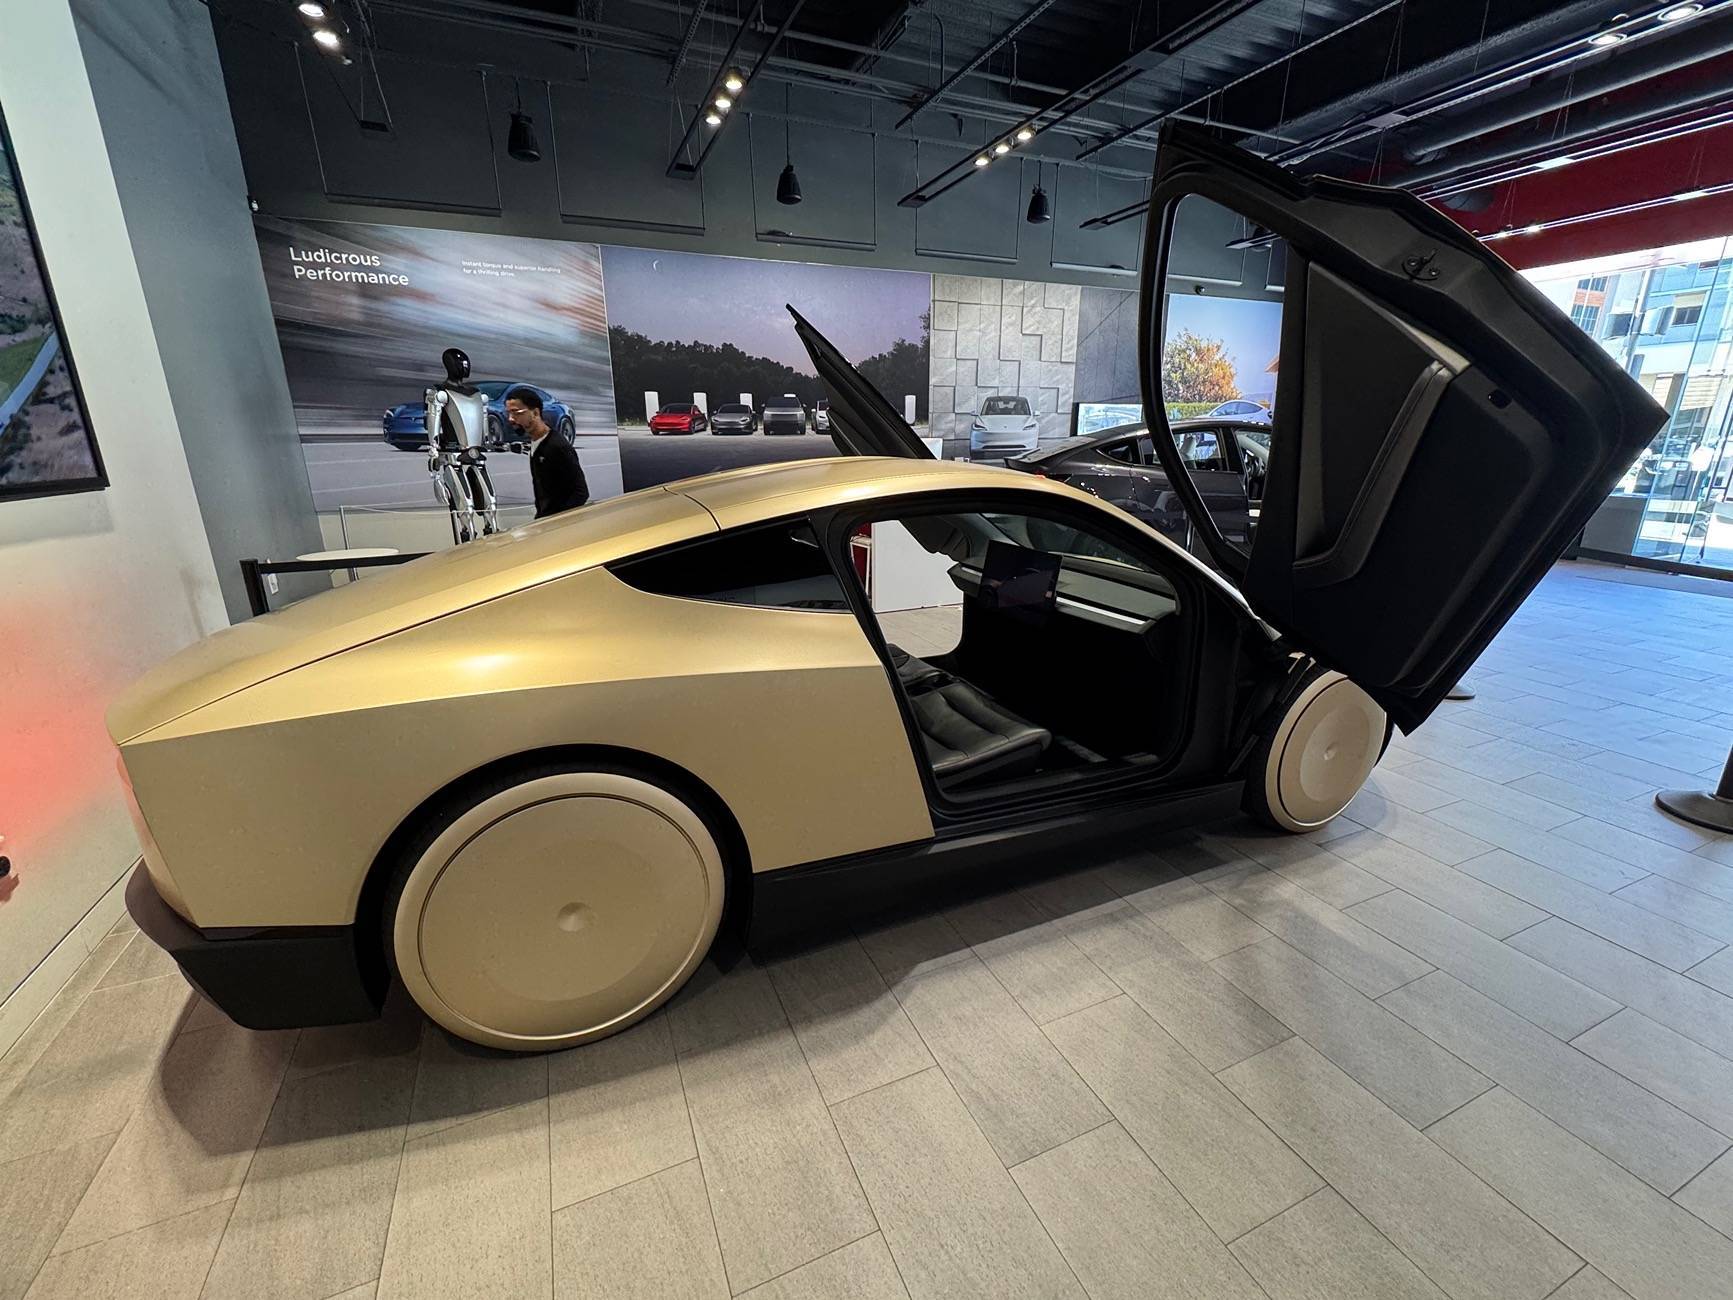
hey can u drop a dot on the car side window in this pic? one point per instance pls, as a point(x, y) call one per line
point(1202, 450)
point(1123, 452)
point(779, 566)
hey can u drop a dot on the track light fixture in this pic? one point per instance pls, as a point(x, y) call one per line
point(1609, 35)
point(787, 184)
point(712, 118)
point(981, 160)
point(311, 10)
point(1039, 209)
point(1001, 149)
point(327, 38)
point(520, 140)
point(733, 83)
point(1024, 135)
point(1679, 13)
point(723, 103)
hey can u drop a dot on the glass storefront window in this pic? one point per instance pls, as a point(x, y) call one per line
point(1665, 315)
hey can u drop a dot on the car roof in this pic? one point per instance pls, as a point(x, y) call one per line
point(461, 577)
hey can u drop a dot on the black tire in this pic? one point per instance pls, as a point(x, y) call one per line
point(568, 428)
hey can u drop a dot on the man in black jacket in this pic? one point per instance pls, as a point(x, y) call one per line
point(555, 472)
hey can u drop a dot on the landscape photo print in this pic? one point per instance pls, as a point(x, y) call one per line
point(46, 445)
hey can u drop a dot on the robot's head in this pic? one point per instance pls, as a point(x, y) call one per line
point(456, 364)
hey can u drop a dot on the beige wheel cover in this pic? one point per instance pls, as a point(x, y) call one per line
point(559, 911)
point(1326, 746)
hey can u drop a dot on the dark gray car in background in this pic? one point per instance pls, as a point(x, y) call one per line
point(1120, 465)
point(733, 417)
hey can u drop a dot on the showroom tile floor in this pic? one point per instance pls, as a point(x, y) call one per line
point(1474, 1040)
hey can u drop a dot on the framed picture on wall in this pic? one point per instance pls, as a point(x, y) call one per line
point(46, 445)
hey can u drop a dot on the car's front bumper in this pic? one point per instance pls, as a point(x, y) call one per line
point(266, 978)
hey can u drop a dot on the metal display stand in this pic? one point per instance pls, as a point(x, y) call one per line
point(1712, 810)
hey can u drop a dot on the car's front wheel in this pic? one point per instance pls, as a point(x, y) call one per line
point(554, 906)
point(1317, 755)
point(568, 428)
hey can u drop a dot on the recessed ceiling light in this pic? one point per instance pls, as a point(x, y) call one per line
point(981, 160)
point(328, 38)
point(1679, 13)
point(1550, 164)
point(311, 10)
point(1691, 194)
point(1024, 135)
point(712, 118)
point(1001, 149)
point(723, 103)
point(1604, 39)
point(734, 82)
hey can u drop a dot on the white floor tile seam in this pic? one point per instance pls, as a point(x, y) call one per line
point(240, 1182)
point(1724, 1128)
point(1567, 1128)
point(1422, 1132)
point(1668, 916)
point(828, 1114)
point(890, 1241)
point(770, 1281)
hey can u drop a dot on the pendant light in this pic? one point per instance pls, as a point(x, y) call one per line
point(788, 184)
point(1039, 209)
point(520, 141)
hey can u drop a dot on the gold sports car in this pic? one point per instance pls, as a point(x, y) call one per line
point(535, 776)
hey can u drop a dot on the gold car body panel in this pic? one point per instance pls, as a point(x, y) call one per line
point(269, 806)
point(428, 588)
point(272, 761)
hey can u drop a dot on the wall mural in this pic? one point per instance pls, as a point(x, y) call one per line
point(363, 313)
point(690, 328)
point(46, 445)
point(615, 335)
point(992, 337)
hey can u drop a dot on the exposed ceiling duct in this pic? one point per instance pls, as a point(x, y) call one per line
point(1617, 69)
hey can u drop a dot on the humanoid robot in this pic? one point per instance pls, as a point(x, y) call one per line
point(456, 452)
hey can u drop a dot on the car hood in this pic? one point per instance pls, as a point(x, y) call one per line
point(409, 408)
point(418, 592)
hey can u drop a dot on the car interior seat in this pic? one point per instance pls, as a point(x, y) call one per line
point(967, 735)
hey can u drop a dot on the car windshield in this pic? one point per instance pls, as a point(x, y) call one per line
point(1005, 406)
point(732, 408)
point(782, 404)
point(676, 408)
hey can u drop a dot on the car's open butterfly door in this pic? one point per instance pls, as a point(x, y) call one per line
point(1440, 433)
point(862, 422)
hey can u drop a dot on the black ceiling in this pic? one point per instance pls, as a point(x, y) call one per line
point(1353, 87)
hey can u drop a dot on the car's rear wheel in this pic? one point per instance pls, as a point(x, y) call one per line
point(554, 906)
point(1317, 755)
point(568, 428)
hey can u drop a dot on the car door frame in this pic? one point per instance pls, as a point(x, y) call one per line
point(1207, 682)
point(1435, 277)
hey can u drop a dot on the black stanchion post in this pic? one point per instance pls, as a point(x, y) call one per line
point(1710, 809)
